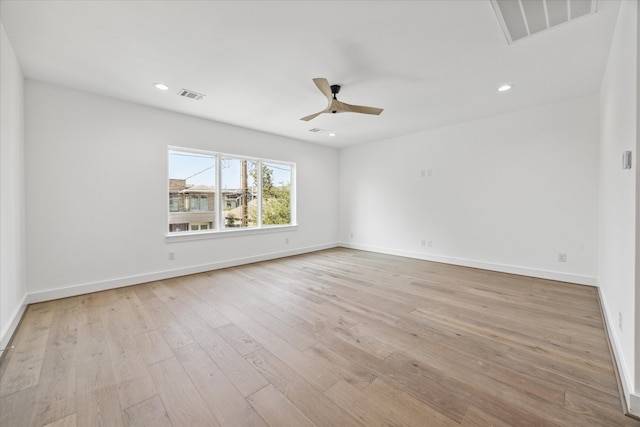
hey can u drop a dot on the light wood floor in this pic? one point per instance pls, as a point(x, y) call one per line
point(333, 338)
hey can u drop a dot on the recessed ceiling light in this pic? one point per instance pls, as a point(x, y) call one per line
point(332, 134)
point(161, 86)
point(504, 88)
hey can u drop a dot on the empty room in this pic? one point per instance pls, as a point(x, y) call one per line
point(319, 213)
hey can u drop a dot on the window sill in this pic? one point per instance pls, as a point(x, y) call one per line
point(205, 235)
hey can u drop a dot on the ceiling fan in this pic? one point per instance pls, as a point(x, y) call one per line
point(336, 106)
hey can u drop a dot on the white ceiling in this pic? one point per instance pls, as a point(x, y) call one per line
point(427, 63)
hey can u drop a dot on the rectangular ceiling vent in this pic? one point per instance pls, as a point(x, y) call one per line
point(191, 94)
point(523, 18)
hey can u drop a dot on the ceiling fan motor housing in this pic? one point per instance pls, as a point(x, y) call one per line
point(335, 89)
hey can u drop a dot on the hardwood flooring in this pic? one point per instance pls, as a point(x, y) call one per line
point(333, 338)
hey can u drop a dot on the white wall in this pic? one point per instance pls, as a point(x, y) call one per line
point(507, 193)
point(96, 193)
point(618, 193)
point(12, 254)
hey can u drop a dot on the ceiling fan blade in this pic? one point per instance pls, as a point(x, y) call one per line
point(336, 106)
point(360, 109)
point(312, 116)
point(324, 87)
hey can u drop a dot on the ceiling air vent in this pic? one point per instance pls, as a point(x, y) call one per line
point(316, 130)
point(191, 94)
point(523, 18)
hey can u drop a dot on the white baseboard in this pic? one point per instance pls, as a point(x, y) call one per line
point(86, 288)
point(634, 404)
point(503, 268)
point(632, 401)
point(14, 320)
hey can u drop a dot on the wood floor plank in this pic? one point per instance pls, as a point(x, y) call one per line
point(99, 408)
point(16, 408)
point(181, 399)
point(270, 316)
point(317, 373)
point(403, 408)
point(195, 302)
point(522, 360)
point(596, 413)
point(476, 417)
point(354, 402)
point(152, 347)
point(335, 337)
point(57, 387)
point(126, 314)
point(238, 339)
point(264, 314)
point(135, 390)
point(134, 381)
point(149, 413)
point(94, 366)
point(351, 371)
point(46, 410)
point(307, 398)
point(225, 401)
point(465, 367)
point(448, 395)
point(243, 375)
point(68, 421)
point(172, 331)
point(277, 410)
point(21, 367)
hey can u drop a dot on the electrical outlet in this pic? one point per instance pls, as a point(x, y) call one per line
point(423, 173)
point(171, 256)
point(351, 235)
point(429, 244)
point(429, 172)
point(423, 243)
point(620, 320)
point(562, 257)
point(286, 240)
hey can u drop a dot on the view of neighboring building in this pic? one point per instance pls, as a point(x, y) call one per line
point(192, 207)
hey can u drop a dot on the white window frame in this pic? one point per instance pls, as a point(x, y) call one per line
point(219, 230)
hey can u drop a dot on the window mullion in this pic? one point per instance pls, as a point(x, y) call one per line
point(218, 199)
point(259, 186)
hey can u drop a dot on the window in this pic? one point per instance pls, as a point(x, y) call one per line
point(238, 182)
point(220, 192)
point(192, 177)
point(174, 202)
point(276, 193)
point(198, 203)
point(178, 227)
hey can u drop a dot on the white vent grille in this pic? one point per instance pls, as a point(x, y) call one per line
point(523, 18)
point(191, 94)
point(316, 130)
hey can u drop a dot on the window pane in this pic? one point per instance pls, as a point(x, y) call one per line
point(178, 227)
point(192, 190)
point(173, 202)
point(239, 192)
point(276, 194)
